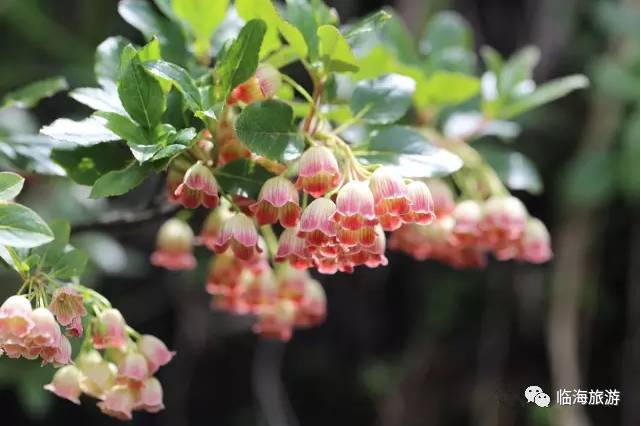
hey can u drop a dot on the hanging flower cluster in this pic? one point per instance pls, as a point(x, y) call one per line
point(464, 232)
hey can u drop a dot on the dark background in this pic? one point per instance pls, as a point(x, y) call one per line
point(413, 343)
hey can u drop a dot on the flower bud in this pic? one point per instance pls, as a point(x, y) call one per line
point(66, 383)
point(534, 246)
point(110, 330)
point(264, 84)
point(318, 171)
point(355, 206)
point(467, 216)
point(391, 199)
point(504, 219)
point(199, 186)
point(98, 375)
point(118, 402)
point(67, 305)
point(133, 367)
point(174, 246)
point(15, 317)
point(155, 351)
point(277, 201)
point(150, 398)
point(240, 234)
point(213, 225)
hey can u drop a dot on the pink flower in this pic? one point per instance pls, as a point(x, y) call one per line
point(118, 402)
point(534, 246)
point(199, 186)
point(317, 223)
point(174, 246)
point(442, 196)
point(318, 171)
point(240, 234)
point(293, 249)
point(62, 355)
point(264, 84)
point(15, 317)
point(391, 198)
point(155, 351)
point(213, 225)
point(277, 201)
point(98, 375)
point(504, 220)
point(66, 383)
point(67, 305)
point(110, 330)
point(150, 397)
point(133, 367)
point(421, 204)
point(355, 206)
point(75, 328)
point(276, 321)
point(45, 332)
point(467, 216)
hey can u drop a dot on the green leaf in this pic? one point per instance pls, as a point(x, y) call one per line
point(409, 152)
point(386, 98)
point(51, 252)
point(514, 169)
point(84, 165)
point(545, 93)
point(398, 39)
point(70, 264)
point(120, 182)
point(22, 227)
point(87, 132)
point(10, 185)
point(493, 59)
point(142, 146)
point(202, 17)
point(177, 143)
point(301, 15)
point(181, 80)
point(242, 177)
point(29, 95)
point(369, 24)
point(334, 50)
point(141, 94)
point(107, 66)
point(446, 88)
point(98, 99)
point(267, 129)
point(444, 30)
point(31, 153)
point(141, 15)
point(517, 69)
point(240, 60)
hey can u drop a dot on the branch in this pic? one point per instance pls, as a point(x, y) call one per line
point(126, 219)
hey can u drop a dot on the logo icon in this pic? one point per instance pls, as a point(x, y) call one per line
point(535, 394)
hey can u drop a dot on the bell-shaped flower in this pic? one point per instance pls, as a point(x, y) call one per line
point(15, 317)
point(213, 225)
point(133, 367)
point(277, 201)
point(67, 305)
point(75, 329)
point(391, 199)
point(66, 383)
point(467, 218)
point(155, 351)
point(421, 204)
point(110, 330)
point(263, 85)
point(317, 224)
point(118, 402)
point(534, 246)
point(277, 320)
point(318, 171)
point(62, 354)
point(293, 249)
point(150, 396)
point(355, 206)
point(199, 187)
point(313, 306)
point(238, 233)
point(504, 220)
point(174, 245)
point(98, 375)
point(45, 332)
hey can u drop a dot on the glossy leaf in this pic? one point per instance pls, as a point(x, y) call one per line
point(267, 129)
point(181, 80)
point(29, 95)
point(334, 50)
point(301, 15)
point(107, 66)
point(10, 185)
point(120, 182)
point(84, 165)
point(98, 99)
point(240, 59)
point(409, 152)
point(242, 177)
point(22, 227)
point(386, 98)
point(518, 69)
point(513, 168)
point(87, 132)
point(141, 94)
point(142, 146)
point(31, 153)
